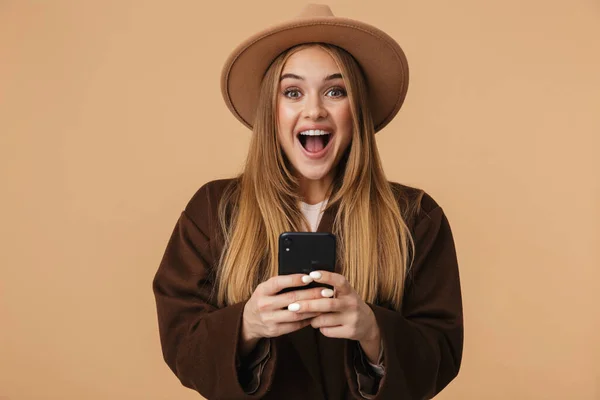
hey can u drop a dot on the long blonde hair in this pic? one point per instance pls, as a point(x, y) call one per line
point(374, 243)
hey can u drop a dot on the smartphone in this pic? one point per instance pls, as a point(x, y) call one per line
point(304, 252)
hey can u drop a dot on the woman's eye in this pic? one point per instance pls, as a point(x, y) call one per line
point(337, 92)
point(291, 93)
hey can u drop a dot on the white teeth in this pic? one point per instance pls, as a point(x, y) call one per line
point(315, 132)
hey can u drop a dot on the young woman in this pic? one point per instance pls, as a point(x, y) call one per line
point(314, 91)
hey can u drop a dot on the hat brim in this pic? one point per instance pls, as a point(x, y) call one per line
point(381, 58)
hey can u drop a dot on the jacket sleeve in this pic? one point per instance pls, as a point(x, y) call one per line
point(368, 375)
point(199, 340)
point(423, 343)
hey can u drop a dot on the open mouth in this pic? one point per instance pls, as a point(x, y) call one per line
point(314, 141)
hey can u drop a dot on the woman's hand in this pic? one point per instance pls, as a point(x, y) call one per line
point(266, 313)
point(345, 316)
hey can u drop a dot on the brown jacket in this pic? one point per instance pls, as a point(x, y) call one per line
point(422, 344)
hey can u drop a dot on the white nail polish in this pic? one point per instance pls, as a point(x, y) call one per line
point(307, 279)
point(315, 275)
point(327, 293)
point(294, 307)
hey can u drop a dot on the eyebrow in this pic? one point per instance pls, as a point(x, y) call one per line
point(294, 76)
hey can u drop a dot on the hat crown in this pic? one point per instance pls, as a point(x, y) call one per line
point(315, 10)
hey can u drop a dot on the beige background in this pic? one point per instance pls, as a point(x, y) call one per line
point(111, 118)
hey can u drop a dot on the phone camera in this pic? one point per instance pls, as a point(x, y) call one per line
point(287, 242)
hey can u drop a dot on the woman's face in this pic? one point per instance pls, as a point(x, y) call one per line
point(314, 117)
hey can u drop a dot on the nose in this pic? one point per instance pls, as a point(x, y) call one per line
point(314, 108)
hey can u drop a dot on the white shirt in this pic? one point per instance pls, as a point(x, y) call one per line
point(313, 213)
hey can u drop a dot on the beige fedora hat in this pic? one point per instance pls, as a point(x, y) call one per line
point(381, 58)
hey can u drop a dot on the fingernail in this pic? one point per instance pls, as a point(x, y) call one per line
point(315, 275)
point(327, 293)
point(294, 307)
point(307, 279)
